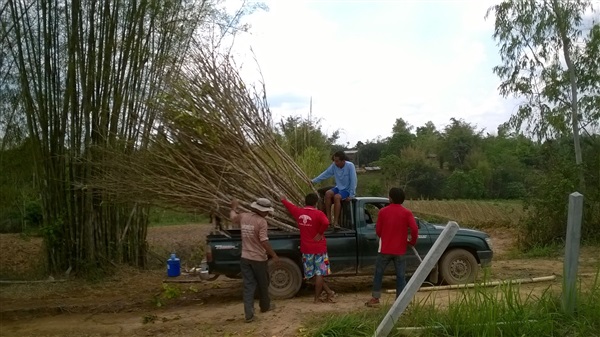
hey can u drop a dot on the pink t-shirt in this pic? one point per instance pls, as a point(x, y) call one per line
point(254, 231)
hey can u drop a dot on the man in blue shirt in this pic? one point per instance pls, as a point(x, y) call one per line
point(345, 181)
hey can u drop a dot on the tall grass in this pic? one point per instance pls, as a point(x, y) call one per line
point(469, 213)
point(502, 311)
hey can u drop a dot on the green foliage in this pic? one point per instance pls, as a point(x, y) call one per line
point(370, 182)
point(168, 217)
point(534, 38)
point(353, 324)
point(460, 138)
point(548, 190)
point(370, 152)
point(465, 185)
point(401, 138)
point(297, 134)
point(20, 207)
point(313, 160)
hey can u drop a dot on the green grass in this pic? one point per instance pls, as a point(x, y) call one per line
point(166, 217)
point(501, 311)
point(538, 251)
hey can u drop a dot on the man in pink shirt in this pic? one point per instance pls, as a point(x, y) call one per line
point(313, 246)
point(255, 246)
point(393, 223)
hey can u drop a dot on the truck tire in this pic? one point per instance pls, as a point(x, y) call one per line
point(286, 279)
point(458, 266)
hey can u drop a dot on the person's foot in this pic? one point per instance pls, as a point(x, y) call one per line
point(373, 302)
point(251, 319)
point(272, 307)
point(328, 300)
point(325, 294)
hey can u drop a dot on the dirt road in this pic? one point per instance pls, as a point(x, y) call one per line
point(136, 303)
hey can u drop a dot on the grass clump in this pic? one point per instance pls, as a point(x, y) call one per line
point(504, 311)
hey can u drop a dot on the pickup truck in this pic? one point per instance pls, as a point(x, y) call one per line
point(352, 250)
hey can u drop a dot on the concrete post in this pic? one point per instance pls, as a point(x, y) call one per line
point(569, 294)
point(413, 285)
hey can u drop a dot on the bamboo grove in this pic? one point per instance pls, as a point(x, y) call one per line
point(86, 72)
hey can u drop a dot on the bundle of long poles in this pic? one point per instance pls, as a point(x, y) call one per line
point(214, 141)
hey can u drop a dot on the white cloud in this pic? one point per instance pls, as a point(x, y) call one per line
point(417, 60)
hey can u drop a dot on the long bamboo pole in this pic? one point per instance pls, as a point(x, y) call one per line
point(485, 284)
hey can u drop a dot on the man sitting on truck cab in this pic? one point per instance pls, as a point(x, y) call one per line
point(345, 185)
point(312, 224)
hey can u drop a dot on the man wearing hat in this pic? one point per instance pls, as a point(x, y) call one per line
point(255, 246)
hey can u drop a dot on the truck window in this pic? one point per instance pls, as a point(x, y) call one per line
point(346, 220)
point(371, 211)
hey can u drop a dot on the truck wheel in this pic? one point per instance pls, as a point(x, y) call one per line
point(286, 279)
point(458, 266)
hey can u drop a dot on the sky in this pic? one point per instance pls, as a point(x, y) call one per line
point(367, 63)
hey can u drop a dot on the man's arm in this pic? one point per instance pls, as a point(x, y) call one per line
point(293, 209)
point(267, 246)
point(328, 173)
point(233, 214)
point(414, 229)
point(379, 223)
point(353, 181)
point(324, 223)
point(264, 241)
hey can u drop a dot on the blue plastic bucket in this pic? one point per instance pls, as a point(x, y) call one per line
point(173, 266)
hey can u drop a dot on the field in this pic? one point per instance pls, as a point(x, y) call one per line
point(469, 213)
point(138, 303)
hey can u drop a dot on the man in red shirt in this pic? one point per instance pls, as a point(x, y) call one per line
point(393, 222)
point(313, 246)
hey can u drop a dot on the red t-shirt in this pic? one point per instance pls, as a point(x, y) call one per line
point(393, 222)
point(311, 222)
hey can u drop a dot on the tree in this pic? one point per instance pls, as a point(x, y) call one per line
point(370, 151)
point(401, 138)
point(410, 167)
point(429, 140)
point(459, 139)
point(465, 185)
point(550, 57)
point(297, 134)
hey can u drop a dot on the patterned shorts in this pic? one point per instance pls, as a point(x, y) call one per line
point(315, 264)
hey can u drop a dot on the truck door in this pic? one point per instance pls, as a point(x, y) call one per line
point(423, 245)
point(368, 241)
point(341, 243)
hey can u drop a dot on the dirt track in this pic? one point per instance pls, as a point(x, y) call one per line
point(127, 303)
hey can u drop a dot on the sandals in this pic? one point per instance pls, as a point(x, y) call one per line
point(372, 303)
point(327, 300)
point(324, 293)
point(328, 297)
